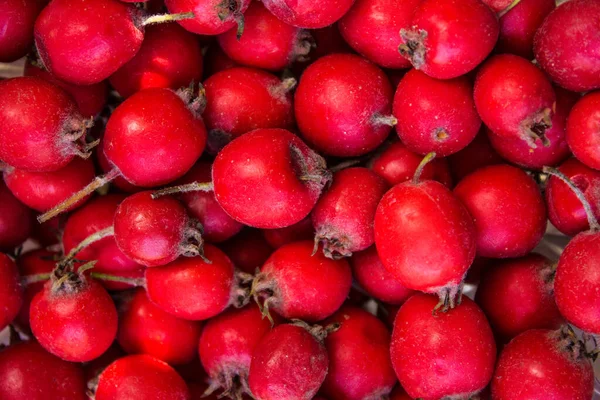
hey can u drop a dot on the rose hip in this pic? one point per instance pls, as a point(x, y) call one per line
point(344, 215)
point(442, 354)
point(435, 115)
point(508, 210)
point(296, 284)
point(448, 38)
point(307, 13)
point(583, 130)
point(16, 220)
point(11, 292)
point(358, 124)
point(268, 166)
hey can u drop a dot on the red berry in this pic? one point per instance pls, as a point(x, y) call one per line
point(226, 347)
point(517, 295)
point(268, 166)
point(344, 215)
point(170, 57)
point(583, 132)
point(372, 276)
point(302, 230)
point(33, 262)
point(577, 282)
point(351, 127)
point(154, 232)
point(542, 364)
point(508, 210)
point(425, 237)
point(371, 27)
point(361, 340)
point(176, 131)
point(498, 6)
point(239, 100)
point(442, 354)
point(216, 224)
point(119, 182)
point(90, 99)
point(16, 27)
point(290, 362)
point(16, 220)
point(40, 125)
point(448, 38)
point(215, 60)
point(44, 190)
point(193, 289)
point(298, 285)
point(565, 211)
point(74, 319)
point(85, 41)
point(211, 17)
point(515, 99)
point(267, 42)
point(145, 328)
point(11, 292)
point(519, 25)
point(478, 154)
point(397, 164)
point(140, 376)
point(555, 150)
point(307, 13)
point(28, 372)
point(435, 115)
point(571, 56)
point(249, 250)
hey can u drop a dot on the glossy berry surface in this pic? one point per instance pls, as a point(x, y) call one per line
point(583, 133)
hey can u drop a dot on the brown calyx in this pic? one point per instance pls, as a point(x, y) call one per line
point(196, 103)
point(440, 134)
point(335, 246)
point(234, 382)
point(318, 331)
point(310, 168)
point(192, 243)
point(413, 48)
point(232, 9)
point(265, 292)
point(74, 136)
point(305, 43)
point(534, 127)
point(66, 281)
point(450, 297)
point(577, 348)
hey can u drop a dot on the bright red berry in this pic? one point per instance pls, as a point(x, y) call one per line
point(583, 131)
point(307, 13)
point(211, 17)
point(16, 27)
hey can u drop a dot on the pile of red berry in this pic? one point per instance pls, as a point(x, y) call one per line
point(285, 199)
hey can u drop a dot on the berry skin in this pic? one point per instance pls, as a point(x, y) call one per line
point(239, 100)
point(16, 220)
point(298, 285)
point(211, 17)
point(425, 237)
point(47, 139)
point(226, 346)
point(307, 13)
point(74, 319)
point(478, 154)
point(517, 295)
point(302, 230)
point(448, 38)
point(16, 28)
point(84, 41)
point(154, 232)
point(249, 250)
point(577, 282)
point(508, 210)
point(442, 354)
point(43, 190)
point(565, 211)
point(374, 34)
point(538, 364)
point(267, 42)
point(343, 217)
point(397, 164)
point(145, 328)
point(361, 341)
point(143, 377)
point(170, 57)
point(290, 362)
point(372, 276)
point(515, 99)
point(355, 126)
point(583, 132)
point(28, 372)
point(435, 115)
point(497, 6)
point(11, 292)
point(268, 166)
point(571, 56)
point(191, 288)
point(176, 131)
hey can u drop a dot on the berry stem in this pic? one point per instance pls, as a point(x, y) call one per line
point(86, 242)
point(97, 183)
point(507, 9)
point(188, 187)
point(162, 18)
point(594, 226)
point(389, 120)
point(426, 160)
point(30, 279)
point(113, 278)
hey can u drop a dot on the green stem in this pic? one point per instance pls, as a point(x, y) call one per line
point(426, 160)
